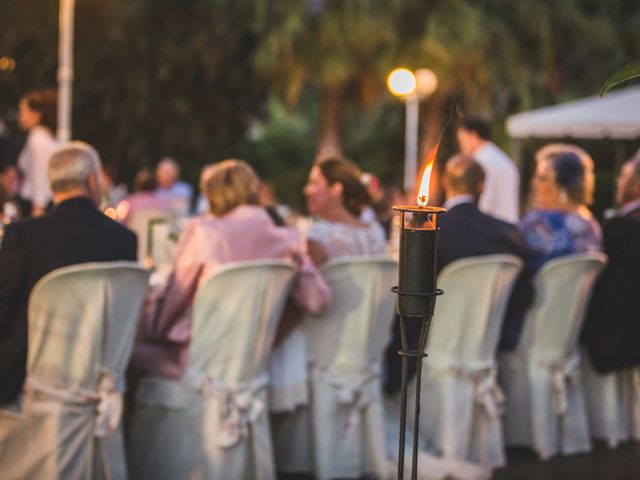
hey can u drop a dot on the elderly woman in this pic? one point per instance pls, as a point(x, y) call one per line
point(559, 223)
point(237, 229)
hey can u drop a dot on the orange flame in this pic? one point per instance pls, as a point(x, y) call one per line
point(423, 191)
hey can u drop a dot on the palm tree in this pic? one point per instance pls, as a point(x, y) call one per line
point(335, 47)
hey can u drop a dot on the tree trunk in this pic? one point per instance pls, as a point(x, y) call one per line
point(433, 122)
point(331, 121)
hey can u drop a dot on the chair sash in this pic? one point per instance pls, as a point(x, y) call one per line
point(240, 405)
point(352, 390)
point(107, 400)
point(564, 373)
point(487, 392)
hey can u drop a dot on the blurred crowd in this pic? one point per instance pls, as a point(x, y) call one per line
point(59, 208)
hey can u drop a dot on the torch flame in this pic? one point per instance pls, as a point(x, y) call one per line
point(423, 191)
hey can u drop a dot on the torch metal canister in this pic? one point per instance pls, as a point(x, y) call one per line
point(418, 246)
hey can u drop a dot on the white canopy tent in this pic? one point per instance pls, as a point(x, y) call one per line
point(614, 116)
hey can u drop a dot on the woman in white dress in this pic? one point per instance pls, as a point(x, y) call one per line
point(37, 114)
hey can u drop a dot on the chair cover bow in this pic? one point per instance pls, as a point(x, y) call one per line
point(107, 399)
point(352, 391)
point(488, 392)
point(240, 405)
point(563, 373)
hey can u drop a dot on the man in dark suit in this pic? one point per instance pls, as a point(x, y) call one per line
point(465, 231)
point(74, 232)
point(612, 326)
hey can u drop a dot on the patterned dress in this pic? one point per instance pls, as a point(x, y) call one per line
point(550, 234)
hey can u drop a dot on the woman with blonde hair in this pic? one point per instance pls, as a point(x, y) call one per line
point(236, 229)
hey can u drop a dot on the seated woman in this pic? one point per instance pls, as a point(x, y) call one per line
point(336, 196)
point(559, 223)
point(237, 229)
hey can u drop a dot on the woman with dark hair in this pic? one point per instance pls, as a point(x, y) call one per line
point(37, 114)
point(559, 224)
point(336, 196)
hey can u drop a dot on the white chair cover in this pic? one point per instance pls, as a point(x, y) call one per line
point(82, 322)
point(461, 400)
point(345, 417)
point(147, 224)
point(545, 406)
point(213, 422)
point(613, 403)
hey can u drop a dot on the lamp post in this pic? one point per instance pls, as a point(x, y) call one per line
point(65, 69)
point(411, 87)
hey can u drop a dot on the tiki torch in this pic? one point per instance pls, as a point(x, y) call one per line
point(416, 295)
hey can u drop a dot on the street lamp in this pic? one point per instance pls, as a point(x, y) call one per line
point(411, 87)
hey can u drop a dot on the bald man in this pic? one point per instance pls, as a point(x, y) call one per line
point(465, 231)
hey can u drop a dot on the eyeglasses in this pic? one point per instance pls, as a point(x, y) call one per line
point(541, 177)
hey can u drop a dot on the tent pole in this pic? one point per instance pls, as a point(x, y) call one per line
point(516, 156)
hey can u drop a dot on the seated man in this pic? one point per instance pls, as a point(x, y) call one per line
point(74, 232)
point(612, 330)
point(465, 231)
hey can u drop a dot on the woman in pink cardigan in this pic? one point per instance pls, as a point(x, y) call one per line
point(236, 229)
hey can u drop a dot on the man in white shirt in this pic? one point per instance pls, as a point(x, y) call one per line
point(500, 196)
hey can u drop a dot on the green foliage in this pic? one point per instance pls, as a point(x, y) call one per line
point(280, 148)
point(622, 75)
point(152, 77)
point(198, 79)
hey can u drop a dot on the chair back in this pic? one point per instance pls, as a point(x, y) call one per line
point(468, 317)
point(143, 222)
point(352, 332)
point(562, 287)
point(82, 321)
point(235, 314)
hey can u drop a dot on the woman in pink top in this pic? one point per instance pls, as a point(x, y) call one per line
point(237, 229)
